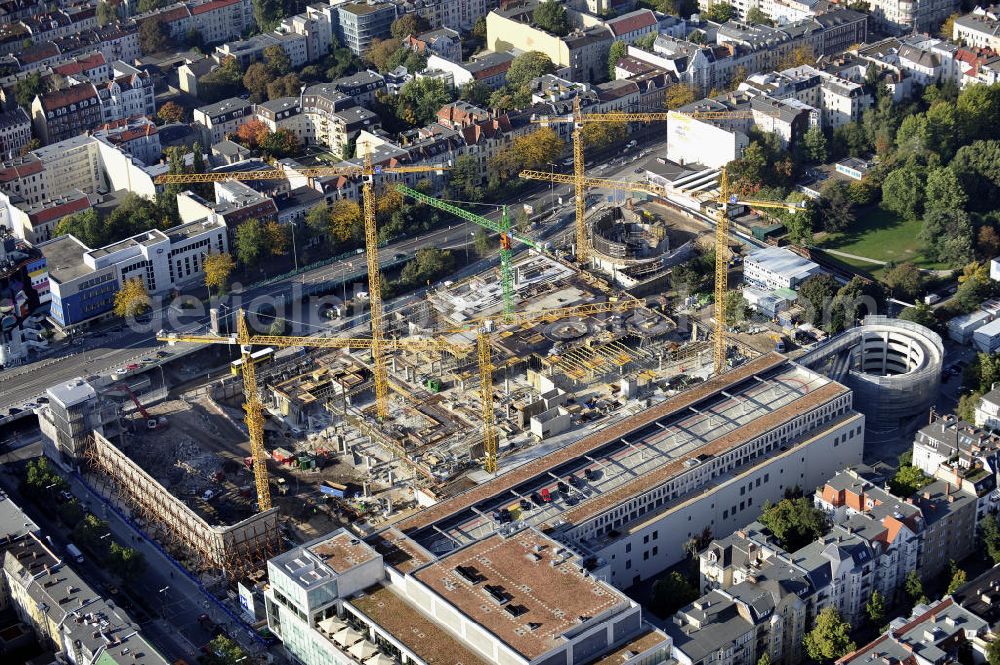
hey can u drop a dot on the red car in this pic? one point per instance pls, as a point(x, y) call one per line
point(546, 497)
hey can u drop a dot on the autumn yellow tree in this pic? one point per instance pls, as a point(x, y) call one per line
point(530, 151)
point(679, 95)
point(132, 299)
point(277, 238)
point(600, 135)
point(217, 269)
point(800, 55)
point(345, 220)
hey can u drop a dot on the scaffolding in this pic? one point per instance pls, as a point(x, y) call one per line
point(237, 551)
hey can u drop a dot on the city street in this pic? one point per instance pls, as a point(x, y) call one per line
point(100, 354)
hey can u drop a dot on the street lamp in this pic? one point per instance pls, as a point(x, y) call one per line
point(552, 186)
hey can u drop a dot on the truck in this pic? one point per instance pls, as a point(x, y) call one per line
point(74, 553)
point(779, 343)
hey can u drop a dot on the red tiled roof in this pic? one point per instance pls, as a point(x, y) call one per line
point(644, 19)
point(172, 14)
point(81, 64)
point(60, 210)
point(72, 95)
point(37, 52)
point(15, 172)
point(212, 6)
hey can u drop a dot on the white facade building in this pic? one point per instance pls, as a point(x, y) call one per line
point(777, 268)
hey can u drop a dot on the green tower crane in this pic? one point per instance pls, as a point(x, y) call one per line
point(502, 227)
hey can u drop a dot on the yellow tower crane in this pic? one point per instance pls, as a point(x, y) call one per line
point(483, 326)
point(721, 234)
point(367, 171)
point(252, 405)
point(722, 260)
point(579, 180)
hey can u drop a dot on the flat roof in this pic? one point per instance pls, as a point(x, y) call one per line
point(782, 261)
point(507, 583)
point(673, 431)
point(64, 257)
point(400, 551)
point(424, 637)
point(634, 647)
point(71, 392)
point(343, 551)
point(195, 228)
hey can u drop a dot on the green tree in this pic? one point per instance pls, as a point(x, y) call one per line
point(958, 579)
point(85, 226)
point(408, 24)
point(904, 280)
point(830, 637)
point(855, 300)
point(617, 51)
point(967, 403)
point(978, 168)
point(105, 13)
point(836, 206)
point(475, 92)
point(464, 179)
point(277, 60)
point(756, 16)
point(814, 142)
point(993, 651)
point(914, 587)
point(947, 236)
point(89, 531)
point(420, 99)
point(40, 479)
point(154, 36)
point(816, 296)
point(944, 191)
point(551, 16)
point(268, 13)
point(736, 308)
point(126, 563)
point(223, 651)
point(427, 265)
point(256, 79)
point(527, 66)
point(672, 592)
point(989, 536)
point(484, 246)
point(875, 608)
point(719, 12)
point(27, 89)
point(920, 313)
point(251, 242)
point(794, 522)
point(907, 481)
point(903, 193)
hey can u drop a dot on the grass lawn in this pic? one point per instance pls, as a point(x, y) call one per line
point(881, 235)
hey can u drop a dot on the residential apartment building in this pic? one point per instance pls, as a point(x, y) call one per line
point(223, 117)
point(22, 180)
point(36, 223)
point(980, 28)
point(461, 15)
point(900, 17)
point(216, 20)
point(84, 281)
point(987, 413)
point(15, 132)
point(963, 455)
point(425, 607)
point(444, 42)
point(74, 163)
point(66, 113)
point(358, 24)
point(582, 51)
point(136, 136)
point(488, 68)
point(129, 93)
point(937, 631)
point(948, 516)
point(67, 616)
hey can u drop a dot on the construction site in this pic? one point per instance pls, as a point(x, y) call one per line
point(479, 376)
